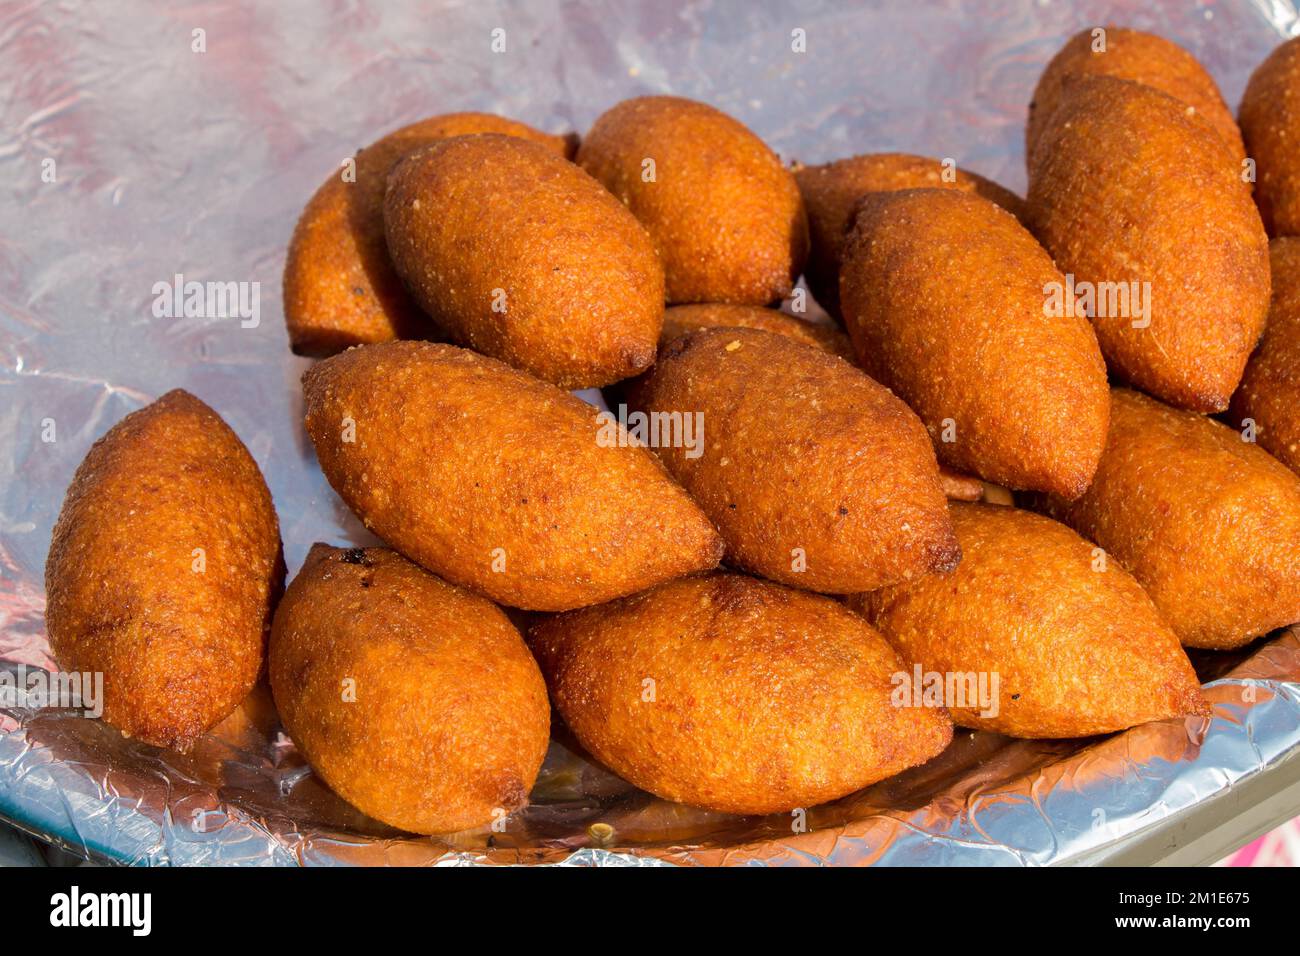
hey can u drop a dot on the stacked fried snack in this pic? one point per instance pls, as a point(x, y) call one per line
point(465, 271)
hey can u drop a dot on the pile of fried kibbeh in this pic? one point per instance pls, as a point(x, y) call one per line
point(1053, 441)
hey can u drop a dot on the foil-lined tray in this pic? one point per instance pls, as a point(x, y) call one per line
point(136, 148)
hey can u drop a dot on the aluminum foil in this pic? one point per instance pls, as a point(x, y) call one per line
point(145, 141)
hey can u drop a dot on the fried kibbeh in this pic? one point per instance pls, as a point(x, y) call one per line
point(725, 215)
point(497, 481)
point(1140, 58)
point(517, 253)
point(163, 568)
point(1270, 122)
point(815, 475)
point(681, 319)
point(416, 701)
point(340, 289)
point(1065, 645)
point(1007, 392)
point(1269, 395)
point(1208, 523)
point(832, 191)
point(1144, 206)
point(734, 694)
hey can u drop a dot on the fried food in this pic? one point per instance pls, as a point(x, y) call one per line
point(1141, 58)
point(1142, 203)
point(944, 297)
point(1042, 639)
point(734, 694)
point(496, 481)
point(163, 569)
point(1209, 524)
point(815, 475)
point(724, 213)
point(517, 253)
point(681, 319)
point(1270, 122)
point(340, 289)
point(1269, 395)
point(416, 701)
point(831, 193)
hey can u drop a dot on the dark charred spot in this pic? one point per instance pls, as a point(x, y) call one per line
point(843, 510)
point(1015, 696)
point(356, 556)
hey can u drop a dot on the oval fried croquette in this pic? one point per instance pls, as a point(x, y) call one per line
point(1041, 638)
point(724, 213)
point(1270, 388)
point(1145, 206)
point(517, 253)
point(832, 191)
point(340, 289)
point(734, 694)
point(1141, 58)
point(815, 475)
point(1209, 524)
point(416, 701)
point(163, 569)
point(681, 319)
point(497, 481)
point(1270, 122)
point(944, 296)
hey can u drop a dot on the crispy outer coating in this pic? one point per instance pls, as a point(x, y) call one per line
point(340, 289)
point(832, 191)
point(1208, 524)
point(1078, 648)
point(943, 295)
point(1270, 122)
point(1125, 188)
point(734, 694)
point(519, 254)
point(1270, 388)
point(681, 319)
point(177, 632)
point(725, 215)
point(415, 700)
point(1141, 58)
point(497, 481)
point(815, 475)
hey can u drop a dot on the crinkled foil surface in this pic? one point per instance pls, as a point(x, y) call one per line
point(169, 161)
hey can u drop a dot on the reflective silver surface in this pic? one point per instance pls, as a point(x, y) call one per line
point(128, 157)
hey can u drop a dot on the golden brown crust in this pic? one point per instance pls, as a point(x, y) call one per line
point(1141, 58)
point(734, 694)
point(163, 569)
point(497, 481)
point(724, 213)
point(340, 289)
point(522, 256)
point(416, 701)
point(1209, 524)
point(1125, 187)
point(815, 475)
point(1270, 122)
point(1077, 647)
point(832, 191)
point(1269, 394)
point(681, 319)
point(943, 295)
